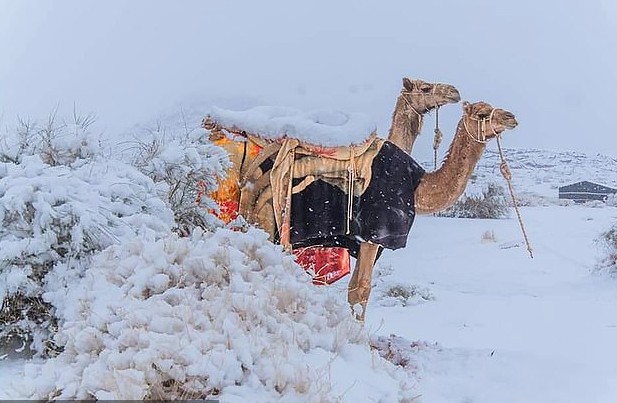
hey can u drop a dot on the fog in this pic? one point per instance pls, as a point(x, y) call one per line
point(550, 63)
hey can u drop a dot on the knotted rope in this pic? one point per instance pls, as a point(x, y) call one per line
point(437, 139)
point(438, 134)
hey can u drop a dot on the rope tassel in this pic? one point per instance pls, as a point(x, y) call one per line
point(505, 170)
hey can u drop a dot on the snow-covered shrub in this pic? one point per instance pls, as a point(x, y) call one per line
point(488, 236)
point(491, 204)
point(594, 204)
point(400, 351)
point(405, 294)
point(61, 200)
point(608, 241)
point(528, 199)
point(394, 293)
point(186, 167)
point(56, 142)
point(215, 315)
point(91, 272)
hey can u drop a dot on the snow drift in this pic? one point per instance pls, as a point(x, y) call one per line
point(218, 314)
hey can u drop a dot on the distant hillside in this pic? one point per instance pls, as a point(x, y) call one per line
point(539, 173)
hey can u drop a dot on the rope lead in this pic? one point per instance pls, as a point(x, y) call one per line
point(438, 137)
point(507, 174)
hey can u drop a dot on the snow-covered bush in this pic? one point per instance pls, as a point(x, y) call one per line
point(215, 315)
point(92, 275)
point(400, 351)
point(488, 236)
point(611, 200)
point(608, 242)
point(394, 293)
point(491, 204)
point(61, 200)
point(405, 294)
point(594, 204)
point(185, 166)
point(56, 142)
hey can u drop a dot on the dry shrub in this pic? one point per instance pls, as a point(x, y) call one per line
point(186, 167)
point(608, 242)
point(408, 294)
point(61, 200)
point(488, 236)
point(492, 203)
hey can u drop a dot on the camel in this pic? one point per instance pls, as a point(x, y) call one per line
point(265, 199)
point(439, 189)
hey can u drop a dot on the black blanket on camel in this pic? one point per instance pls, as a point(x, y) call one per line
point(383, 214)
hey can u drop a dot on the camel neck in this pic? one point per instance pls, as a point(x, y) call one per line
point(441, 188)
point(406, 125)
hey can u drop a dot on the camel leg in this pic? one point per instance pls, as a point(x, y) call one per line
point(360, 283)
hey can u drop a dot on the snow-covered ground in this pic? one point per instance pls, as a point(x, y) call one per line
point(488, 323)
point(509, 328)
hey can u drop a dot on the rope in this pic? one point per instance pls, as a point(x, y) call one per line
point(503, 166)
point(507, 174)
point(437, 139)
point(351, 169)
point(481, 134)
point(411, 106)
point(285, 237)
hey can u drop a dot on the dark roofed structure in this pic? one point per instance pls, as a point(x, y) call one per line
point(585, 191)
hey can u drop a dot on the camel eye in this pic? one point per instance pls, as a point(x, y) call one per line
point(426, 88)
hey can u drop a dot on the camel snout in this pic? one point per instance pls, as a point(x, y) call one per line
point(455, 96)
point(511, 120)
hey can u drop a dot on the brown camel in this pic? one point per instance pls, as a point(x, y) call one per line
point(436, 190)
point(416, 99)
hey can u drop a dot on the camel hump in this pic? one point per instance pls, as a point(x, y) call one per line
point(321, 128)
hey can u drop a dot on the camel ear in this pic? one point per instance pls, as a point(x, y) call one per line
point(407, 84)
point(466, 106)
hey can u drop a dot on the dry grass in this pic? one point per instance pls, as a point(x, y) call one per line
point(488, 236)
point(407, 293)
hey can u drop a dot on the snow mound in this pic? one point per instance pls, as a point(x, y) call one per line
point(216, 315)
point(325, 127)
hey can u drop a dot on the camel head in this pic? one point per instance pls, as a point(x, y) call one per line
point(423, 96)
point(482, 122)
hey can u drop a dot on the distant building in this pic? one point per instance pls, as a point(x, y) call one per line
point(585, 191)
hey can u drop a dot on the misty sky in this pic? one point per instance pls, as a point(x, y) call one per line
point(552, 63)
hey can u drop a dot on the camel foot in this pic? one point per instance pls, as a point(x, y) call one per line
point(359, 288)
point(358, 311)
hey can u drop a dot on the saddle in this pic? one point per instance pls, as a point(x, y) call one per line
point(272, 170)
point(267, 173)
